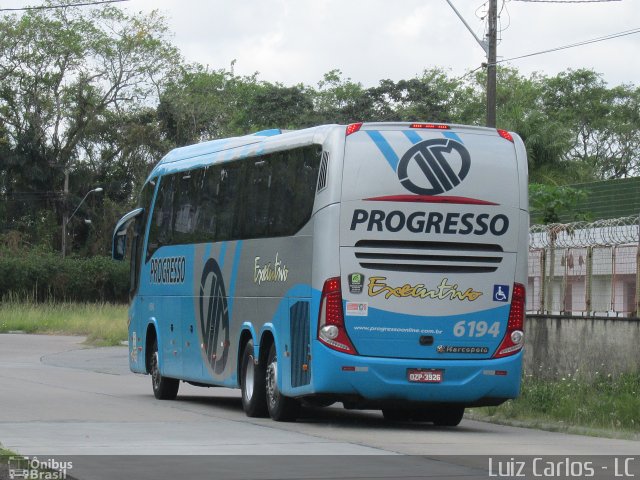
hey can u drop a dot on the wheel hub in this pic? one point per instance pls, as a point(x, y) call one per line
point(272, 383)
point(248, 379)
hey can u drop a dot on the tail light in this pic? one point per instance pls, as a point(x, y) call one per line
point(353, 128)
point(506, 135)
point(331, 329)
point(430, 126)
point(513, 340)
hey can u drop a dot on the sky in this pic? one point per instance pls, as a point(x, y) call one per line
point(298, 41)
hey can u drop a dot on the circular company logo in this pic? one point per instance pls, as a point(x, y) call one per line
point(434, 166)
point(214, 316)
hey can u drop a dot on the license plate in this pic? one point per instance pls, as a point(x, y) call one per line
point(424, 376)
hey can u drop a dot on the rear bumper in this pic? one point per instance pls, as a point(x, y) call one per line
point(373, 379)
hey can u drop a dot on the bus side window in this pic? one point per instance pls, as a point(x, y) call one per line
point(206, 218)
point(186, 203)
point(281, 195)
point(161, 228)
point(256, 200)
point(296, 173)
point(230, 189)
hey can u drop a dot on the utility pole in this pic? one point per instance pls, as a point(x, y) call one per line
point(65, 214)
point(491, 62)
point(490, 49)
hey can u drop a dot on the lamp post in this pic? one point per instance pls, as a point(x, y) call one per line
point(66, 220)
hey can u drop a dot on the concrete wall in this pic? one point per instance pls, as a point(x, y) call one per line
point(562, 346)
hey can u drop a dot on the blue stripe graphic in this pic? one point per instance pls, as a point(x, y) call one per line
point(223, 251)
point(207, 253)
point(385, 148)
point(234, 276)
point(452, 136)
point(412, 136)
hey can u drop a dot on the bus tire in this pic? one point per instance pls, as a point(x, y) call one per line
point(448, 416)
point(280, 408)
point(252, 384)
point(163, 388)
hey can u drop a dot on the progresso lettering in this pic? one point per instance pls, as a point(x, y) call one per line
point(168, 270)
point(430, 222)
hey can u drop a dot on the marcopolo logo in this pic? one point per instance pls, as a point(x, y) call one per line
point(214, 316)
point(434, 166)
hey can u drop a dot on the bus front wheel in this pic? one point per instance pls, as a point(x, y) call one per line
point(281, 408)
point(163, 388)
point(252, 383)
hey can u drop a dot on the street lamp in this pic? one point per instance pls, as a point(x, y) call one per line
point(66, 220)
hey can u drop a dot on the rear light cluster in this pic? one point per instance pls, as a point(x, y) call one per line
point(353, 128)
point(431, 126)
point(331, 328)
point(513, 340)
point(506, 135)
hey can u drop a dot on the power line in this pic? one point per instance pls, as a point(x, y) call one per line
point(572, 45)
point(47, 7)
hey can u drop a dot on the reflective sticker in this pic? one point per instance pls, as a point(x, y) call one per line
point(355, 309)
point(134, 347)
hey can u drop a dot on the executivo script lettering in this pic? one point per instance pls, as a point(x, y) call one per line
point(444, 291)
point(270, 272)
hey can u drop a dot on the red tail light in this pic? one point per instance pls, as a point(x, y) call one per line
point(331, 329)
point(513, 340)
point(430, 126)
point(353, 128)
point(506, 135)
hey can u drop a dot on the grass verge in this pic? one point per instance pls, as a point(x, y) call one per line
point(605, 405)
point(102, 323)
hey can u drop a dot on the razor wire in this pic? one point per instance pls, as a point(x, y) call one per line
point(616, 231)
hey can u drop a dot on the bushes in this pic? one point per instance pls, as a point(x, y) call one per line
point(46, 276)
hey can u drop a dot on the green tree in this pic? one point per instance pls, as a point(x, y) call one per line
point(550, 202)
point(65, 74)
point(339, 100)
point(199, 104)
point(603, 122)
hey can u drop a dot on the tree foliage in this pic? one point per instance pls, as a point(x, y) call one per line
point(104, 95)
point(551, 201)
point(72, 81)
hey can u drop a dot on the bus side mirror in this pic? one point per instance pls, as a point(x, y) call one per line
point(120, 246)
point(119, 243)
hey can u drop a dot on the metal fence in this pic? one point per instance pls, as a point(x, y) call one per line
point(585, 269)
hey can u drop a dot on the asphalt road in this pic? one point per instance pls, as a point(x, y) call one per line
point(60, 399)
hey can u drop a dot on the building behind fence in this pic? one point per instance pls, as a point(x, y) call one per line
point(585, 269)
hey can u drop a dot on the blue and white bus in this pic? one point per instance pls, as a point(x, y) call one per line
point(381, 265)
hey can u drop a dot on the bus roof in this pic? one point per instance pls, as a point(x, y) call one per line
point(266, 141)
point(233, 148)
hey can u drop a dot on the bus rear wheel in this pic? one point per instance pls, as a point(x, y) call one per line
point(448, 416)
point(163, 388)
point(281, 408)
point(252, 384)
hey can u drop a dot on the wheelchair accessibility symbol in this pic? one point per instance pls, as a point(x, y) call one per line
point(501, 293)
